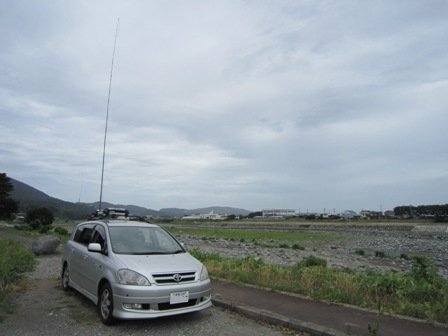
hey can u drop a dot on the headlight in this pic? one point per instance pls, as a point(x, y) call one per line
point(204, 274)
point(128, 277)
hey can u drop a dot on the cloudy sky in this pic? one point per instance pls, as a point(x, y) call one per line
point(312, 105)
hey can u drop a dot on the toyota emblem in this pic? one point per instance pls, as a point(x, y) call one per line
point(177, 277)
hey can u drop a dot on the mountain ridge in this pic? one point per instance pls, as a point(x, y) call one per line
point(30, 197)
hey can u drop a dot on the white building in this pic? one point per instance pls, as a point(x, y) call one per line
point(278, 213)
point(209, 216)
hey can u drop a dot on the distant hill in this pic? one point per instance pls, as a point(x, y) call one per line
point(29, 197)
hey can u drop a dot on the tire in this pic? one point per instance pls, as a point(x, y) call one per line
point(65, 279)
point(106, 305)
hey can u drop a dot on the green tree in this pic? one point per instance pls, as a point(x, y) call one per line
point(255, 214)
point(8, 206)
point(39, 218)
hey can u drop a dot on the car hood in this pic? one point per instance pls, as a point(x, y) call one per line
point(170, 263)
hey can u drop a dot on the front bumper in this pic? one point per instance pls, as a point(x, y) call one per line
point(155, 300)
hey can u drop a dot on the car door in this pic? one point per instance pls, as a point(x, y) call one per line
point(78, 254)
point(95, 262)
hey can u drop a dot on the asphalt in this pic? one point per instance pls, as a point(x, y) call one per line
point(314, 317)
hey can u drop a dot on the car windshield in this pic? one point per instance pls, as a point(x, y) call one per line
point(143, 240)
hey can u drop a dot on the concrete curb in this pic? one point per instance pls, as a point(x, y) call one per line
point(276, 319)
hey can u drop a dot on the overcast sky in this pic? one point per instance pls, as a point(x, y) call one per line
point(312, 105)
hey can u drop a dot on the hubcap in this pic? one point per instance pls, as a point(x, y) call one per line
point(105, 303)
point(65, 278)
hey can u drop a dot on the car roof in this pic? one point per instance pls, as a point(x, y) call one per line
point(121, 222)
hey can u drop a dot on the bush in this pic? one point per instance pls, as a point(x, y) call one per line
point(380, 254)
point(39, 217)
point(312, 261)
point(404, 256)
point(424, 269)
point(360, 252)
point(60, 230)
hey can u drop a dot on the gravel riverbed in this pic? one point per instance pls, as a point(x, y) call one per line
point(357, 248)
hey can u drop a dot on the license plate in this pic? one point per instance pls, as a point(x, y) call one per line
point(179, 297)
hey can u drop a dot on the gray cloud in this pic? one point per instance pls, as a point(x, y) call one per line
point(253, 104)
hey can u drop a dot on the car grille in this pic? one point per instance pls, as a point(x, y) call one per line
point(173, 278)
point(168, 306)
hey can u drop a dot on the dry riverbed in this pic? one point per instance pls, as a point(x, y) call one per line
point(373, 247)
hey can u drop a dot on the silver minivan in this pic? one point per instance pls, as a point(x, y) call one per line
point(133, 270)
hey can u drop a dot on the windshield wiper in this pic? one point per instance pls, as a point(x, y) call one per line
point(156, 253)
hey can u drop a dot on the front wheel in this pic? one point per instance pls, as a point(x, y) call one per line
point(106, 305)
point(65, 278)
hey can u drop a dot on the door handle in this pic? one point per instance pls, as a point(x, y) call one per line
point(85, 256)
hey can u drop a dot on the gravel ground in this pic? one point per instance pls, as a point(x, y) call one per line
point(43, 308)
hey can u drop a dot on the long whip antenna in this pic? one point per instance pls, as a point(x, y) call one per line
point(107, 114)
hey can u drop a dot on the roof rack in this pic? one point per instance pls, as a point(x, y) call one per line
point(110, 213)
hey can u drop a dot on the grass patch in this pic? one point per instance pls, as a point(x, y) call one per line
point(420, 293)
point(296, 237)
point(15, 260)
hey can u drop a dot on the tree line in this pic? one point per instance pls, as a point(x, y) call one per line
point(430, 211)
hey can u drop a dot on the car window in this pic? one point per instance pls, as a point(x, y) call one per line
point(83, 234)
point(142, 240)
point(165, 241)
point(99, 237)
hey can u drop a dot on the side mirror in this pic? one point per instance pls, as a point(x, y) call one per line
point(94, 247)
point(183, 245)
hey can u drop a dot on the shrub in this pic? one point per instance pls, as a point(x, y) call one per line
point(404, 256)
point(298, 247)
point(424, 269)
point(380, 254)
point(38, 217)
point(60, 230)
point(312, 261)
point(360, 252)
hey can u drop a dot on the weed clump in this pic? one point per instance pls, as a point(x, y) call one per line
point(312, 261)
point(15, 260)
point(360, 252)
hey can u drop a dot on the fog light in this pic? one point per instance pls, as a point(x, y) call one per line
point(132, 306)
